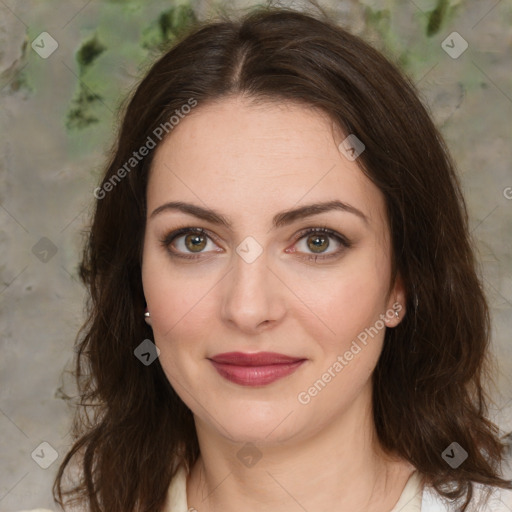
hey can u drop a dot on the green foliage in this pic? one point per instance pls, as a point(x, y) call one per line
point(436, 17)
point(80, 116)
point(170, 25)
point(86, 106)
point(88, 53)
point(380, 20)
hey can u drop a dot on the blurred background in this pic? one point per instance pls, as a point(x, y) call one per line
point(65, 68)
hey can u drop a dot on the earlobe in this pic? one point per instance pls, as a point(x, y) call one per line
point(147, 317)
point(394, 314)
point(398, 305)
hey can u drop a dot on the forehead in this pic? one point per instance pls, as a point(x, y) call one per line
point(249, 159)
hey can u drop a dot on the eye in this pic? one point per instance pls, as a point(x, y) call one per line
point(186, 242)
point(317, 241)
point(191, 243)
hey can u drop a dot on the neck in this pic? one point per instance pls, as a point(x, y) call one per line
point(340, 467)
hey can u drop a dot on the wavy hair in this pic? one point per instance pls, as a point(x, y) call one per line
point(434, 365)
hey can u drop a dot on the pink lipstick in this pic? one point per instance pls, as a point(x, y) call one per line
point(256, 369)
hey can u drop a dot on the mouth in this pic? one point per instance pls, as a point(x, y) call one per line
point(257, 369)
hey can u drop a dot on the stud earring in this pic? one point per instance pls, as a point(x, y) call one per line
point(390, 319)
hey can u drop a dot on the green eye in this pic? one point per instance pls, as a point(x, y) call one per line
point(190, 243)
point(318, 241)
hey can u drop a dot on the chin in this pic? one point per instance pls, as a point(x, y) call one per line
point(258, 425)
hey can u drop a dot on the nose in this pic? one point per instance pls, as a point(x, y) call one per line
point(253, 298)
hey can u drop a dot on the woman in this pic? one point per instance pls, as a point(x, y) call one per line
point(282, 219)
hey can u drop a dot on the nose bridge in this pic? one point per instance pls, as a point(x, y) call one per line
point(252, 294)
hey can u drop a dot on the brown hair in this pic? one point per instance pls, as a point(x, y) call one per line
point(428, 384)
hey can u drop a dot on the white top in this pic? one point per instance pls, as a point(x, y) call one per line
point(414, 497)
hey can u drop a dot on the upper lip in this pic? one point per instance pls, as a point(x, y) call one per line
point(255, 359)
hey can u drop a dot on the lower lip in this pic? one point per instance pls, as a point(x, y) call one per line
point(255, 375)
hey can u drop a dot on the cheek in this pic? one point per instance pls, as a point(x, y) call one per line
point(174, 294)
point(181, 313)
point(348, 302)
point(352, 348)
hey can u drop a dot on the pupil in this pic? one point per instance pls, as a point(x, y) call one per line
point(197, 241)
point(318, 240)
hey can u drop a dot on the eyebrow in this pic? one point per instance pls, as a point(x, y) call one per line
point(281, 219)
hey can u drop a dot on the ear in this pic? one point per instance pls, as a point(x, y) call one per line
point(396, 303)
point(147, 317)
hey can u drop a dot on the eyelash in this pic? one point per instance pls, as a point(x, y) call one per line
point(167, 239)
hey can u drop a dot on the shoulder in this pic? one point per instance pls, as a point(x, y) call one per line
point(485, 499)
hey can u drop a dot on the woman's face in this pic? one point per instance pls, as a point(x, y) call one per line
point(256, 281)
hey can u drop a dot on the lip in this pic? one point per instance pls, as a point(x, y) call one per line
point(256, 369)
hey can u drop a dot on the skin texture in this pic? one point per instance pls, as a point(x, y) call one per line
point(250, 162)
